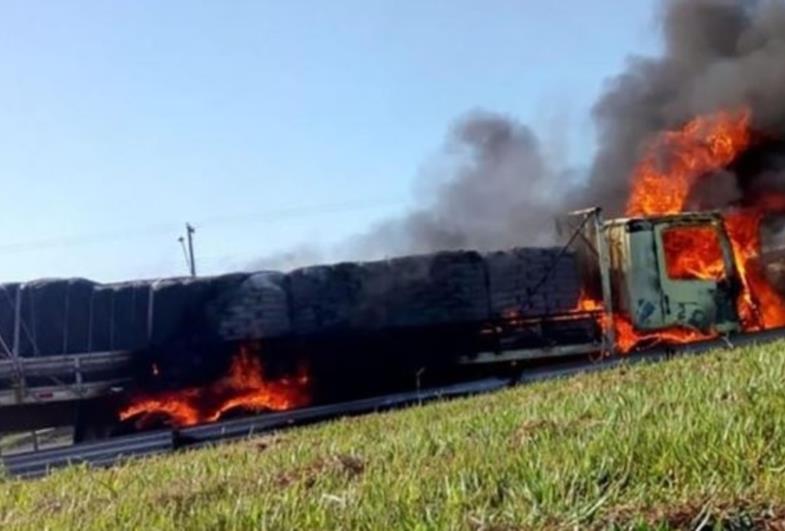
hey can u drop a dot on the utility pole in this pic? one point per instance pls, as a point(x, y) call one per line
point(190, 260)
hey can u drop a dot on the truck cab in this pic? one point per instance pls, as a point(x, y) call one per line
point(673, 271)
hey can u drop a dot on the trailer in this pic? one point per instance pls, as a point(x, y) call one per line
point(72, 351)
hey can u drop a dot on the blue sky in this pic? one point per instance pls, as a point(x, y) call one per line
point(266, 124)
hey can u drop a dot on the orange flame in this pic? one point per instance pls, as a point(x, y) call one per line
point(675, 162)
point(243, 387)
point(759, 305)
point(587, 303)
point(693, 253)
point(627, 337)
point(662, 183)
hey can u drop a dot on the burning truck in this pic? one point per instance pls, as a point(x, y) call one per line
point(179, 352)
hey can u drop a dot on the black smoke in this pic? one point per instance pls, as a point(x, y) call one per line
point(489, 187)
point(501, 191)
point(718, 55)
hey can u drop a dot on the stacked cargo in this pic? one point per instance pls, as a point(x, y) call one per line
point(414, 291)
point(257, 307)
point(448, 288)
point(532, 282)
point(52, 317)
point(46, 317)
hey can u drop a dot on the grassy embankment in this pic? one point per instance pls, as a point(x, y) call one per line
point(667, 445)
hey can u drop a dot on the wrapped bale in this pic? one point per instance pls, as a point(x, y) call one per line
point(119, 318)
point(444, 288)
point(8, 295)
point(53, 316)
point(255, 309)
point(532, 282)
point(563, 285)
point(78, 318)
point(177, 307)
point(44, 304)
point(326, 298)
point(339, 298)
point(427, 290)
point(101, 319)
point(130, 311)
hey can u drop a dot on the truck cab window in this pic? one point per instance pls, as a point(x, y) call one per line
point(693, 252)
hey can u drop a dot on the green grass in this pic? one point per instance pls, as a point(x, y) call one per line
point(669, 445)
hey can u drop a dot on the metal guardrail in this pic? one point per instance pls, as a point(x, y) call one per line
point(113, 451)
point(103, 453)
point(246, 427)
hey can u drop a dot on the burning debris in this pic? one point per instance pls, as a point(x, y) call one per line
point(244, 387)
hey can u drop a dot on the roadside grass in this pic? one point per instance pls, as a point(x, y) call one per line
point(691, 442)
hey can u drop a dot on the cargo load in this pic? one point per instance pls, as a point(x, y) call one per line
point(74, 316)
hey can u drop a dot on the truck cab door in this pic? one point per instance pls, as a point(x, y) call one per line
point(696, 271)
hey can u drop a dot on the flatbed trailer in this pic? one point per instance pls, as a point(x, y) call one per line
point(31, 381)
point(622, 266)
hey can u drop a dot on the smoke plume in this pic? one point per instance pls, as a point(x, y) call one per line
point(489, 187)
point(718, 55)
point(500, 191)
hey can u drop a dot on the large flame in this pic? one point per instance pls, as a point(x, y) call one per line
point(759, 305)
point(676, 160)
point(244, 386)
point(693, 253)
point(662, 183)
point(627, 338)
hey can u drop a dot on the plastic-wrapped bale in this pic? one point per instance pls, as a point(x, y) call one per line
point(563, 285)
point(508, 283)
point(130, 316)
point(257, 308)
point(428, 290)
point(42, 314)
point(78, 316)
point(53, 316)
point(8, 294)
point(338, 298)
point(532, 282)
point(178, 308)
point(119, 316)
point(439, 289)
point(101, 319)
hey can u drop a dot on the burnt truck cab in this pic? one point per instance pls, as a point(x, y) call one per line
point(657, 273)
point(655, 283)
